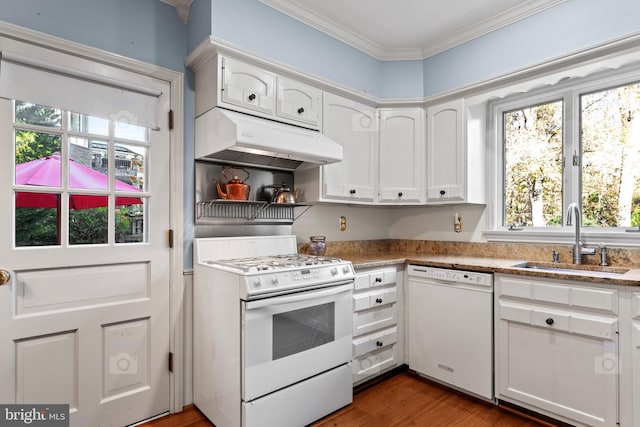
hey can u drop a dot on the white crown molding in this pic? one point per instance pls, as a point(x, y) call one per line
point(182, 7)
point(355, 40)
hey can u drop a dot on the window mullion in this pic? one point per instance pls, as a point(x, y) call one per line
point(571, 147)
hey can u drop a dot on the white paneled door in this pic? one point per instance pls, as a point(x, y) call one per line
point(84, 315)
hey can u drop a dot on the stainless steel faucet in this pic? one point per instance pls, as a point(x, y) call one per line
point(578, 249)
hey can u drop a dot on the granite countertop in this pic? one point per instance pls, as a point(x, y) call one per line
point(618, 275)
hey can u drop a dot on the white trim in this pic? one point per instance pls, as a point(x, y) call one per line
point(448, 41)
point(182, 7)
point(176, 80)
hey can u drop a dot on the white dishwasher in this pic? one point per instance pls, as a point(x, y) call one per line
point(451, 327)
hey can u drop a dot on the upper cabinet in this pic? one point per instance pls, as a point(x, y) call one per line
point(239, 86)
point(401, 168)
point(353, 125)
point(455, 167)
point(299, 102)
point(383, 155)
point(248, 87)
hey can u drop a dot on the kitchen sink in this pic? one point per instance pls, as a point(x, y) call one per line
point(577, 269)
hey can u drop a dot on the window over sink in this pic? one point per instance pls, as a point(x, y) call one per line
point(574, 141)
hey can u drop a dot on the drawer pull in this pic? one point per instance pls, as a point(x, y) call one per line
point(379, 343)
point(549, 321)
point(252, 97)
point(300, 110)
point(378, 279)
point(379, 300)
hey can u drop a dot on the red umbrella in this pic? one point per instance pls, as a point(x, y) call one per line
point(46, 172)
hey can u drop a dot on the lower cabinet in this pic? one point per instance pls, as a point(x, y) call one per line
point(557, 348)
point(377, 323)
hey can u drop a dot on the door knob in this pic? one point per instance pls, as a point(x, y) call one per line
point(4, 277)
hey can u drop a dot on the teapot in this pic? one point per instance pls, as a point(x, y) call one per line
point(284, 195)
point(235, 188)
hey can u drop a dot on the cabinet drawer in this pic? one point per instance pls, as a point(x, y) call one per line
point(375, 318)
point(375, 363)
point(374, 298)
point(559, 320)
point(374, 341)
point(375, 278)
point(550, 292)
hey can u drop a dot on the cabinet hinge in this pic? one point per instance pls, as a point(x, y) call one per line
point(170, 362)
point(170, 238)
point(170, 119)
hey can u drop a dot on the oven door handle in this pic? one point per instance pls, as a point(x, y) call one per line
point(340, 287)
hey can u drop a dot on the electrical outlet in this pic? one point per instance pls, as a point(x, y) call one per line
point(343, 223)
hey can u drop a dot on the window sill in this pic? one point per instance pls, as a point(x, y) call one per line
point(565, 236)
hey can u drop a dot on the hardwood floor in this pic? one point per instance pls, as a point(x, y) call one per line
point(402, 400)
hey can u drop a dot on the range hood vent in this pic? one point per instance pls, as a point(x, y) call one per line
point(236, 138)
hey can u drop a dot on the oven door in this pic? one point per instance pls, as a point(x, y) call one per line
point(289, 338)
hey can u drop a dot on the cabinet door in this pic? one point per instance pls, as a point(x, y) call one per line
point(248, 87)
point(572, 375)
point(299, 102)
point(446, 154)
point(402, 155)
point(353, 126)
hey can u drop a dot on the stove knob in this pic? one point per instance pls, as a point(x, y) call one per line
point(345, 269)
point(274, 279)
point(334, 271)
point(257, 282)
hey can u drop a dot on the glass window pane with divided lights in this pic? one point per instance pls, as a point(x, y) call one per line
point(578, 143)
point(79, 179)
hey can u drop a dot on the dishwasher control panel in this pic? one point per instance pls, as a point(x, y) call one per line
point(455, 276)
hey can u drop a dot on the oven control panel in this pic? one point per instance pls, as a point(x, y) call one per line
point(262, 283)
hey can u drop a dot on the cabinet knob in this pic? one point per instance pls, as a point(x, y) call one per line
point(549, 321)
point(252, 97)
point(442, 192)
point(300, 110)
point(400, 194)
point(379, 343)
point(379, 300)
point(352, 191)
point(378, 279)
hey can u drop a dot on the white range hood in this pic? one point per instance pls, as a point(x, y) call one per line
point(241, 139)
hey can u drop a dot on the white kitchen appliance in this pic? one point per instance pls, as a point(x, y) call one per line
point(451, 326)
point(272, 332)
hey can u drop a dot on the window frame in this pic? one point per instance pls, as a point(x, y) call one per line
point(569, 91)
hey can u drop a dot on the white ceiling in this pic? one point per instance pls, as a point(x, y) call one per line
point(408, 29)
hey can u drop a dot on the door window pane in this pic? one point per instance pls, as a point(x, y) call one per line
point(87, 164)
point(300, 330)
point(37, 158)
point(83, 123)
point(130, 223)
point(39, 115)
point(88, 220)
point(130, 168)
point(126, 128)
point(533, 166)
point(36, 226)
point(610, 138)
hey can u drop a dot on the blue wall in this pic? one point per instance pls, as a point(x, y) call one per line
point(147, 30)
point(569, 27)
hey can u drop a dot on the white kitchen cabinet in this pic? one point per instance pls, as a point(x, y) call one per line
point(247, 88)
point(455, 168)
point(401, 169)
point(299, 102)
point(384, 156)
point(226, 82)
point(557, 348)
point(353, 180)
point(377, 323)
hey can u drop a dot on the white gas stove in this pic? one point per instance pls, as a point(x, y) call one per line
point(272, 332)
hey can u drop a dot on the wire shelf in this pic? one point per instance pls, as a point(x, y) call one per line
point(243, 211)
